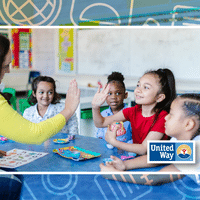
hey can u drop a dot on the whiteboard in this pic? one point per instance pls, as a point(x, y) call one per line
point(101, 51)
point(132, 51)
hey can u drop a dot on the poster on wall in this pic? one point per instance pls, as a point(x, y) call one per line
point(21, 48)
point(66, 51)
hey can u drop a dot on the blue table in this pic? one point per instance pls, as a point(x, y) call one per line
point(53, 162)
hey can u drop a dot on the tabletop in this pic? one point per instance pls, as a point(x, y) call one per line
point(53, 162)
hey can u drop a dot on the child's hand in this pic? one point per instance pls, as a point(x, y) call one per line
point(100, 96)
point(72, 99)
point(110, 136)
point(2, 153)
point(72, 96)
point(107, 168)
point(118, 163)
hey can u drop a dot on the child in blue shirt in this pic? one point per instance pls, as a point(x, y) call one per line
point(117, 94)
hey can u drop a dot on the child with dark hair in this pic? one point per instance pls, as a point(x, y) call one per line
point(45, 103)
point(182, 123)
point(154, 94)
point(116, 95)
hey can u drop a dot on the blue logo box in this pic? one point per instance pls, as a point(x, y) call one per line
point(171, 152)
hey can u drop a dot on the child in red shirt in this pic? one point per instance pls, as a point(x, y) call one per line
point(154, 94)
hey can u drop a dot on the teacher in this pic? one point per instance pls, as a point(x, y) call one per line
point(14, 126)
point(17, 128)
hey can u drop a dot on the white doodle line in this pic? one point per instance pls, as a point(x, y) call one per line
point(29, 190)
point(100, 4)
point(39, 12)
point(174, 14)
point(121, 189)
point(188, 188)
point(131, 12)
point(197, 178)
point(72, 182)
point(151, 19)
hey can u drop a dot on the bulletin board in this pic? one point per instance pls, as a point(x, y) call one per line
point(21, 48)
point(66, 51)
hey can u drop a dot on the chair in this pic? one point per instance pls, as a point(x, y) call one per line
point(23, 105)
point(13, 99)
point(29, 93)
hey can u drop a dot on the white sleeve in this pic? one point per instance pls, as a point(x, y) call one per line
point(26, 114)
point(192, 168)
point(72, 125)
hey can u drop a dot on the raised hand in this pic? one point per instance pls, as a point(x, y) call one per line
point(72, 99)
point(100, 96)
point(73, 96)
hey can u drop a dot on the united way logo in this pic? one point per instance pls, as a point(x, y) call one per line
point(171, 152)
point(184, 151)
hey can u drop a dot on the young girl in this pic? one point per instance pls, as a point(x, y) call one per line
point(45, 101)
point(154, 93)
point(182, 123)
point(116, 95)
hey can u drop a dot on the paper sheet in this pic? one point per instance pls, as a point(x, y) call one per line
point(18, 157)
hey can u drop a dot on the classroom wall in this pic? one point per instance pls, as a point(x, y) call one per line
point(134, 51)
point(130, 51)
point(44, 42)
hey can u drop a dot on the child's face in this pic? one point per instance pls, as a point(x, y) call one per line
point(116, 96)
point(174, 124)
point(44, 93)
point(146, 92)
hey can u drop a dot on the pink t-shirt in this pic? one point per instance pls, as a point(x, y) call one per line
point(141, 126)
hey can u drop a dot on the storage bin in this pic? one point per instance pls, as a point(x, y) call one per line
point(87, 113)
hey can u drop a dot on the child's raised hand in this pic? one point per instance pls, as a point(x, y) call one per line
point(2, 153)
point(72, 96)
point(100, 96)
point(72, 99)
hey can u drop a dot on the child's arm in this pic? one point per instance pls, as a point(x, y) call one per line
point(97, 101)
point(140, 149)
point(140, 162)
point(117, 165)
